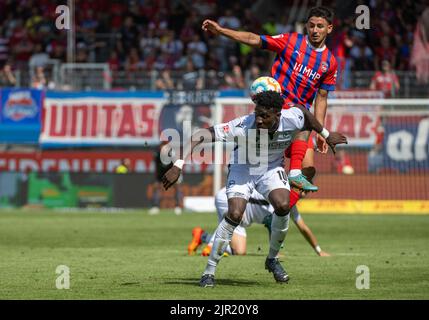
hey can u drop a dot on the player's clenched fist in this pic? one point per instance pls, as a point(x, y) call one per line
point(212, 26)
point(335, 138)
point(170, 177)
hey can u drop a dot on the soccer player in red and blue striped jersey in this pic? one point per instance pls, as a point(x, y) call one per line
point(305, 69)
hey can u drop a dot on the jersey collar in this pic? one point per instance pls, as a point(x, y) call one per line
point(316, 49)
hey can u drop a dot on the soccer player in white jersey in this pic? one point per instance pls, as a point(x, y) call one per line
point(261, 137)
point(258, 211)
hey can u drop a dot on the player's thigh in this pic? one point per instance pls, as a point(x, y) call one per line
point(274, 186)
point(239, 183)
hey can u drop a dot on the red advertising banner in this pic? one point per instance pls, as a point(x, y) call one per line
point(101, 121)
point(54, 161)
point(91, 161)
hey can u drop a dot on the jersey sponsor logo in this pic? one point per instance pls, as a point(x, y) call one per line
point(306, 71)
point(278, 36)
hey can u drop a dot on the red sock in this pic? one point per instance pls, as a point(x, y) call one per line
point(298, 149)
point(293, 198)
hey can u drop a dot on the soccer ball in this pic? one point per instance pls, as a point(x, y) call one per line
point(264, 84)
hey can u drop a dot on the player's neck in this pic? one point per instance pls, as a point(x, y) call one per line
point(316, 46)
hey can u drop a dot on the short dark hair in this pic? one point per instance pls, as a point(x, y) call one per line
point(321, 12)
point(269, 100)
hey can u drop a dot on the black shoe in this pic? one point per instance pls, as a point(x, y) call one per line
point(207, 280)
point(274, 266)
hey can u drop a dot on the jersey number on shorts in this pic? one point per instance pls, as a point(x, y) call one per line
point(282, 176)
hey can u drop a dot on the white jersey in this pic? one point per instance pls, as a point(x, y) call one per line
point(257, 210)
point(250, 148)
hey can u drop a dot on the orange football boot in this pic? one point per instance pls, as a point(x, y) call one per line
point(206, 251)
point(197, 232)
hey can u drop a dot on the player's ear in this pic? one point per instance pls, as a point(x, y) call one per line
point(330, 27)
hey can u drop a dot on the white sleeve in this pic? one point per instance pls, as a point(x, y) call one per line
point(234, 128)
point(293, 118)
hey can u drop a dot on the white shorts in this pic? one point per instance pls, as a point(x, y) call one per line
point(240, 183)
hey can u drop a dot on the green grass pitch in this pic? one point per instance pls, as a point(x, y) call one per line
point(132, 255)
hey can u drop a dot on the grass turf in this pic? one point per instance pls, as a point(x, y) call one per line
point(132, 255)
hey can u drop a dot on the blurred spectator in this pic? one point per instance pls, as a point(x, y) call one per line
point(129, 33)
point(191, 79)
point(204, 8)
point(81, 53)
point(171, 46)
point(255, 73)
point(149, 42)
point(227, 47)
point(4, 47)
point(7, 78)
point(197, 49)
point(113, 61)
point(133, 63)
point(188, 31)
point(385, 81)
point(341, 44)
point(39, 58)
point(385, 52)
point(164, 81)
point(28, 35)
point(362, 56)
point(39, 79)
point(237, 77)
point(269, 27)
point(375, 156)
point(124, 167)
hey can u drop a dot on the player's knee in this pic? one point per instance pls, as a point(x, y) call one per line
point(234, 215)
point(282, 208)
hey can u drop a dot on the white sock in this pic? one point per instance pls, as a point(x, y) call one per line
point(294, 172)
point(228, 248)
point(279, 227)
point(222, 239)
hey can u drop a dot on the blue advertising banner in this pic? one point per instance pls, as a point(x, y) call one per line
point(406, 143)
point(20, 115)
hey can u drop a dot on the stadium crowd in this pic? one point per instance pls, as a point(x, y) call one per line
point(145, 35)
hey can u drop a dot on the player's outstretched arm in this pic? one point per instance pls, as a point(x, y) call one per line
point(311, 123)
point(245, 37)
point(310, 237)
point(173, 174)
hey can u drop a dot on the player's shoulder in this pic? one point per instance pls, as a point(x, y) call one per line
point(289, 113)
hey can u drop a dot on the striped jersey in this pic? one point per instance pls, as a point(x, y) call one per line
point(300, 68)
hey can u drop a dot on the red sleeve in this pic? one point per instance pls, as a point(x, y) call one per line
point(330, 78)
point(275, 43)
